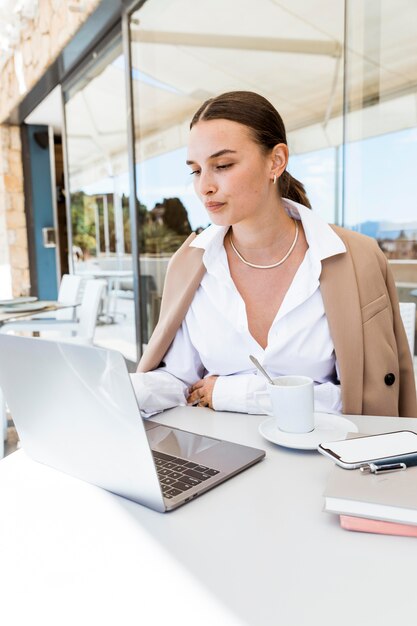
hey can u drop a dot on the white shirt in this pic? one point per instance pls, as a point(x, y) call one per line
point(214, 338)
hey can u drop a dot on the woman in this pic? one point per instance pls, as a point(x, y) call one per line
point(270, 278)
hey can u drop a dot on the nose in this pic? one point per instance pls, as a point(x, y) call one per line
point(206, 184)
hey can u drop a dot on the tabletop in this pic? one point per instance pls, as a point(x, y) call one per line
point(257, 550)
point(7, 314)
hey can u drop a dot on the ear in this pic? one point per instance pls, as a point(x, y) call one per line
point(279, 159)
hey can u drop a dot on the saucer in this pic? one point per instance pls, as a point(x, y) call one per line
point(25, 307)
point(328, 427)
point(20, 300)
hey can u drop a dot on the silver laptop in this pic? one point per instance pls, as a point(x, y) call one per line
point(75, 409)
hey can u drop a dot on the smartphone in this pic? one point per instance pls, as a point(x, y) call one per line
point(396, 447)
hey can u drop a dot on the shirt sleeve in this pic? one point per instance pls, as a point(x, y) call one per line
point(238, 393)
point(167, 386)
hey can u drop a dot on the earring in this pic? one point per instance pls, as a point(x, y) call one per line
point(274, 180)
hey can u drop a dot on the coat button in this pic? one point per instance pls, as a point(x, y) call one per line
point(389, 379)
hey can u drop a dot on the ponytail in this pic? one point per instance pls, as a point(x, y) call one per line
point(292, 189)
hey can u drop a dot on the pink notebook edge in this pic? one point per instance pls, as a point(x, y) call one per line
point(366, 525)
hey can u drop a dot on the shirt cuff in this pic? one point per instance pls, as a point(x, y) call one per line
point(327, 398)
point(236, 393)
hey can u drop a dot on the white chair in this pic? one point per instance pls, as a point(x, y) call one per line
point(408, 316)
point(69, 294)
point(81, 331)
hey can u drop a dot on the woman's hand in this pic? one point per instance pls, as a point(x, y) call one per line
point(201, 393)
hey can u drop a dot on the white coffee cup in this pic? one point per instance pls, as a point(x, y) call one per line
point(291, 401)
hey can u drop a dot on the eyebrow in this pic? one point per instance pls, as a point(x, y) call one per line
point(215, 155)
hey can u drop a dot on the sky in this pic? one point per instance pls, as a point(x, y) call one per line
point(380, 180)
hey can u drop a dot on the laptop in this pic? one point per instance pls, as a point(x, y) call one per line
point(75, 410)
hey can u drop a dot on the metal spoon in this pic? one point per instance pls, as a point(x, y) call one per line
point(261, 369)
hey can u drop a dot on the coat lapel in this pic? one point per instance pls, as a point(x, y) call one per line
point(183, 277)
point(338, 286)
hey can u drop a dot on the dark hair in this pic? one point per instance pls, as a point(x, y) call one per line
point(264, 121)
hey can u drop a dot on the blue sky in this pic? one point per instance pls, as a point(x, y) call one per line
point(380, 180)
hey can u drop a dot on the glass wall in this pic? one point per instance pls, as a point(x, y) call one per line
point(184, 52)
point(380, 185)
point(95, 109)
point(349, 108)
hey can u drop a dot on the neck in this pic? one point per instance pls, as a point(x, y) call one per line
point(266, 235)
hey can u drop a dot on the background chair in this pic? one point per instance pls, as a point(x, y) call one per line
point(80, 331)
point(408, 316)
point(69, 294)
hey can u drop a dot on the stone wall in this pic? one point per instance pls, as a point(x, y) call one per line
point(12, 210)
point(41, 41)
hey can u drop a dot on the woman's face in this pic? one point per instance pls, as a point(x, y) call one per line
point(232, 175)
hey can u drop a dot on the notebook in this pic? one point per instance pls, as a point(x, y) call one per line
point(390, 497)
point(365, 525)
point(75, 410)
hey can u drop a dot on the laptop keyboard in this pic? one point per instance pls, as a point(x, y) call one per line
point(177, 475)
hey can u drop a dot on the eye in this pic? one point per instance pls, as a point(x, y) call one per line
point(224, 167)
point(194, 172)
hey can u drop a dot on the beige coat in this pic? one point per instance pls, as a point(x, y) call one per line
point(360, 300)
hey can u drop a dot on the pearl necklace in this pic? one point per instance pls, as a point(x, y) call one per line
point(266, 267)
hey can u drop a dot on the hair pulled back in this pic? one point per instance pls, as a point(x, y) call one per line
point(264, 121)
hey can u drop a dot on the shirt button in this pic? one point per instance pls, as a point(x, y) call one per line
point(389, 379)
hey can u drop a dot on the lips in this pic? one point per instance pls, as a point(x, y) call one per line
point(214, 206)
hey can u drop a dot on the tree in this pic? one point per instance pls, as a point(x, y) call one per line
point(175, 216)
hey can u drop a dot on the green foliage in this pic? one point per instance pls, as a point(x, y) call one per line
point(175, 216)
point(159, 239)
point(83, 222)
point(161, 230)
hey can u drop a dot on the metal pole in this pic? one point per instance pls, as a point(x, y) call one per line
point(106, 225)
point(133, 204)
point(67, 186)
point(51, 146)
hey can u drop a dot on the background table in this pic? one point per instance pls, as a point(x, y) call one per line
point(49, 306)
point(113, 278)
point(256, 550)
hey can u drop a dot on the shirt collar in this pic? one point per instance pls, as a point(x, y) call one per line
point(211, 241)
point(322, 240)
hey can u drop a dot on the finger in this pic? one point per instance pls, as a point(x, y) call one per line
point(198, 384)
point(194, 397)
point(196, 403)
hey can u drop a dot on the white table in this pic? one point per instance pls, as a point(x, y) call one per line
point(256, 550)
point(113, 278)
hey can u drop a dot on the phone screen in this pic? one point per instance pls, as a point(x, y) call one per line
point(373, 447)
